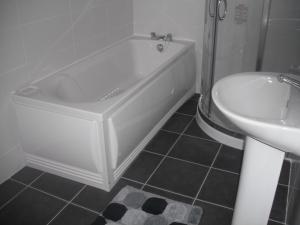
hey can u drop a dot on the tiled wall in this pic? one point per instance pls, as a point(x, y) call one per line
point(38, 37)
point(282, 51)
point(293, 206)
point(182, 18)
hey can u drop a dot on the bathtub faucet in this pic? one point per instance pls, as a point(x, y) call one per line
point(167, 37)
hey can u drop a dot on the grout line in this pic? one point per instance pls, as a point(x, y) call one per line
point(80, 206)
point(192, 136)
point(198, 164)
point(283, 185)
point(179, 194)
point(163, 159)
point(68, 203)
point(125, 178)
point(47, 193)
point(21, 191)
point(288, 195)
point(227, 171)
point(19, 182)
point(172, 192)
point(201, 138)
point(276, 221)
point(207, 175)
point(185, 114)
point(183, 160)
point(215, 204)
point(154, 153)
point(54, 196)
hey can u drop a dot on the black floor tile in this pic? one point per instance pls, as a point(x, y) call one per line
point(194, 130)
point(177, 123)
point(58, 186)
point(229, 159)
point(162, 142)
point(285, 173)
point(9, 189)
point(214, 215)
point(31, 207)
point(279, 204)
point(178, 176)
point(195, 150)
point(220, 188)
point(74, 215)
point(96, 199)
point(27, 175)
point(168, 195)
point(293, 204)
point(189, 107)
point(142, 167)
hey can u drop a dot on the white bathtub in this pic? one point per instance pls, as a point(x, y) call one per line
point(89, 121)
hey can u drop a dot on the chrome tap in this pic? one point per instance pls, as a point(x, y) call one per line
point(286, 79)
point(167, 37)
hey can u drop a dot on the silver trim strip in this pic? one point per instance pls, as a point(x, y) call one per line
point(263, 34)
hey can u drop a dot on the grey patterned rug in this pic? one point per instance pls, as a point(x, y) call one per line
point(136, 207)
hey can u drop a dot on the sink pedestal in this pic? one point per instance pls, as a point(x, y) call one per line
point(258, 182)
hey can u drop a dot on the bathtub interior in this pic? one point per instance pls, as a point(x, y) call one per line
point(107, 75)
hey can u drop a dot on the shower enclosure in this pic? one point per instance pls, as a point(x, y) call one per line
point(249, 35)
point(243, 36)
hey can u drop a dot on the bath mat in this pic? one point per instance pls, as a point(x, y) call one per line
point(136, 207)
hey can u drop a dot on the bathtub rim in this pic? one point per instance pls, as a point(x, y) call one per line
point(108, 106)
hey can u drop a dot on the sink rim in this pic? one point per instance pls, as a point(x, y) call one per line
point(218, 101)
point(255, 127)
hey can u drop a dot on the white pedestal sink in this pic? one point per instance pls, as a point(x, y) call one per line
point(268, 111)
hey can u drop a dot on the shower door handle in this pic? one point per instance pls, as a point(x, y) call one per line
point(223, 14)
point(211, 11)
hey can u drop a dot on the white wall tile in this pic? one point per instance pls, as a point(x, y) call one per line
point(285, 9)
point(42, 37)
point(91, 24)
point(32, 10)
point(119, 13)
point(183, 18)
point(8, 14)
point(11, 49)
point(85, 47)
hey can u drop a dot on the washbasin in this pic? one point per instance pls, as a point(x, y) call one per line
point(261, 106)
point(266, 107)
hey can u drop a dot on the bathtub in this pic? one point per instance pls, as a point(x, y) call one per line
point(88, 121)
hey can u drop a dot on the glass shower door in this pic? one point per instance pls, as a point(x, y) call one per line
point(208, 56)
point(230, 46)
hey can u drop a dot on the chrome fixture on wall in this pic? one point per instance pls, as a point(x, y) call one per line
point(284, 78)
point(167, 37)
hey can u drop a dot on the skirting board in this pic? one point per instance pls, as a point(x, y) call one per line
point(122, 168)
point(218, 135)
point(70, 172)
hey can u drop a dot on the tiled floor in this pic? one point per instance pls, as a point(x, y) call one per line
point(181, 163)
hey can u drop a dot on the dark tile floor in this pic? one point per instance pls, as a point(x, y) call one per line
point(181, 163)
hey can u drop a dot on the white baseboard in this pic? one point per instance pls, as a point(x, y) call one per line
point(11, 162)
point(218, 135)
point(70, 172)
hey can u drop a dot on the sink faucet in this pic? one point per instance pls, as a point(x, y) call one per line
point(286, 79)
point(167, 37)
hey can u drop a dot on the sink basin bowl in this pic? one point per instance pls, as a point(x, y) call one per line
point(261, 106)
